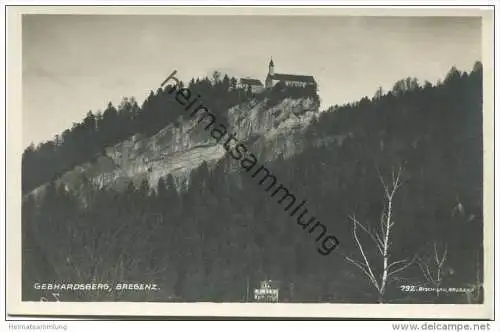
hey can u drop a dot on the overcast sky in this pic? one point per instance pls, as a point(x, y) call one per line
point(76, 63)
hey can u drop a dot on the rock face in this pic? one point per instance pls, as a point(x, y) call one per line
point(268, 131)
point(277, 130)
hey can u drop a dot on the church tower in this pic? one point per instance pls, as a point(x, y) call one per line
point(271, 67)
point(270, 74)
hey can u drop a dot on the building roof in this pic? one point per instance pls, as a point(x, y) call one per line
point(251, 81)
point(295, 78)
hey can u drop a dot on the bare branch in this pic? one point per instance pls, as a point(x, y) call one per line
point(397, 262)
point(425, 270)
point(436, 253)
point(367, 264)
point(404, 267)
point(386, 190)
point(360, 266)
point(379, 239)
point(440, 262)
point(367, 231)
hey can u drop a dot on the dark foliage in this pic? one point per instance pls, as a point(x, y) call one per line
point(209, 242)
point(89, 138)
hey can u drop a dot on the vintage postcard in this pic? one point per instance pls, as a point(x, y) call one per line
point(250, 162)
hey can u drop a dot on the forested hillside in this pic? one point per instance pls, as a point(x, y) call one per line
point(209, 242)
point(88, 138)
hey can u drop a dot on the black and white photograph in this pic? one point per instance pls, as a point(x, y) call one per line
point(258, 158)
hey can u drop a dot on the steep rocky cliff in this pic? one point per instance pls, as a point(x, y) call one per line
point(269, 132)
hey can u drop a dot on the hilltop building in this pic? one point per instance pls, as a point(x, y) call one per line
point(288, 79)
point(252, 84)
point(255, 86)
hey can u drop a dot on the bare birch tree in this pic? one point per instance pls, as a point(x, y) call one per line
point(431, 265)
point(380, 270)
